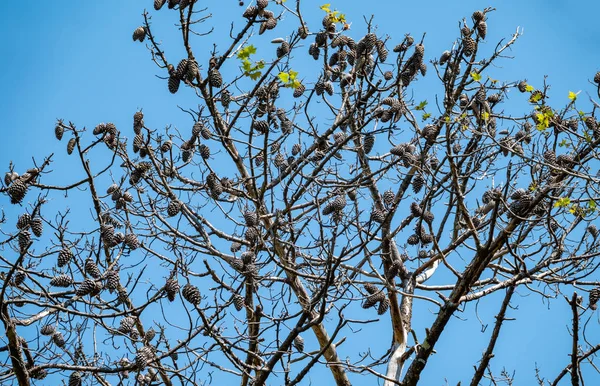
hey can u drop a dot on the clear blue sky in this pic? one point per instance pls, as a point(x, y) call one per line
point(77, 61)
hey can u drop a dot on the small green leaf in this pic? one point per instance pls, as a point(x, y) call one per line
point(421, 105)
point(325, 7)
point(535, 97)
point(485, 116)
point(592, 205)
point(529, 88)
point(246, 52)
point(533, 186)
point(562, 202)
point(573, 95)
point(564, 143)
point(476, 76)
point(284, 77)
point(426, 116)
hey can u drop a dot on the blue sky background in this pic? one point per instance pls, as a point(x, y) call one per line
point(77, 61)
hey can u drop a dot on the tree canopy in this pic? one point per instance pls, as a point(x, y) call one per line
point(310, 207)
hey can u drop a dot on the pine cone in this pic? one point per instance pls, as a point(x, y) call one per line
point(149, 336)
point(370, 288)
point(482, 29)
point(252, 235)
point(250, 12)
point(283, 49)
point(383, 306)
point(261, 126)
point(112, 280)
point(181, 70)
point(59, 130)
point(372, 300)
point(172, 288)
point(417, 183)
point(47, 330)
point(19, 278)
point(338, 203)
point(299, 343)
point(251, 218)
point(62, 280)
point(469, 45)
point(132, 241)
point(594, 296)
point(388, 197)
point(142, 357)
point(191, 294)
point(204, 151)
point(38, 374)
point(58, 339)
point(368, 143)
point(64, 256)
point(17, 191)
point(235, 247)
point(593, 230)
point(225, 99)
point(87, 287)
point(173, 208)
point(237, 264)
point(173, 84)
point(478, 16)
point(428, 217)
point(298, 91)
point(378, 216)
point(75, 379)
point(139, 34)
point(238, 302)
point(24, 240)
point(413, 240)
point(37, 227)
point(24, 221)
point(126, 324)
point(214, 78)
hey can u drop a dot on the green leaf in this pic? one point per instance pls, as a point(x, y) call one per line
point(592, 205)
point(529, 88)
point(325, 7)
point(562, 202)
point(421, 105)
point(255, 75)
point(293, 74)
point(476, 76)
point(535, 97)
point(533, 186)
point(564, 143)
point(284, 77)
point(426, 116)
point(245, 52)
point(573, 95)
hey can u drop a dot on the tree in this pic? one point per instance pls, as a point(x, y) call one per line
point(301, 205)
